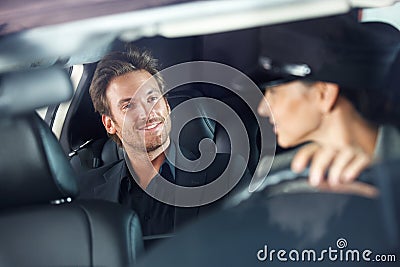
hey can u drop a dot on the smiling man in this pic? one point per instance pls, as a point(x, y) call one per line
point(139, 117)
point(127, 91)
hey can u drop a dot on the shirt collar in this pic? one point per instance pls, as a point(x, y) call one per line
point(125, 178)
point(170, 160)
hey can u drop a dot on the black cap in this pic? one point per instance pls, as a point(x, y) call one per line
point(336, 49)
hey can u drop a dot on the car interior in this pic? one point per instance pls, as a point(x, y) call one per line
point(51, 135)
point(39, 213)
point(169, 52)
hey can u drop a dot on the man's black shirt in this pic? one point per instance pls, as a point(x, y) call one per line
point(116, 183)
point(155, 217)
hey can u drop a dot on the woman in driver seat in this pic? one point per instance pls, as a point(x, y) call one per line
point(327, 83)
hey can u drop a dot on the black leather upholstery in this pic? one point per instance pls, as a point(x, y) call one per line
point(95, 233)
point(33, 167)
point(33, 173)
point(111, 152)
point(195, 130)
point(249, 120)
point(301, 220)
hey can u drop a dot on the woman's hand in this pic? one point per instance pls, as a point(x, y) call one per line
point(334, 166)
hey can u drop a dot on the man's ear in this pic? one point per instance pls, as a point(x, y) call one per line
point(168, 107)
point(328, 94)
point(108, 124)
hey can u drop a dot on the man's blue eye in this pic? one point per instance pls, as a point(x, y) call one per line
point(127, 106)
point(153, 99)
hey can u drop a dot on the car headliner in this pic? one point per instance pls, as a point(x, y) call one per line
point(42, 33)
point(17, 15)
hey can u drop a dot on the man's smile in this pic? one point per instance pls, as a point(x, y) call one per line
point(152, 125)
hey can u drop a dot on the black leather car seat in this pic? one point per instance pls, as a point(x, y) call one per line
point(247, 117)
point(40, 223)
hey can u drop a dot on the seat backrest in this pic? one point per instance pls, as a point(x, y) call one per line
point(40, 223)
point(222, 139)
point(297, 219)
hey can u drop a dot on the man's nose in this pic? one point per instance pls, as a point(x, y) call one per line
point(263, 108)
point(145, 110)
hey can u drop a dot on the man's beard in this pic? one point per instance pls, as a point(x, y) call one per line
point(148, 143)
point(155, 144)
point(157, 141)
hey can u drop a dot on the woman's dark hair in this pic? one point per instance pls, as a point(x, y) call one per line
point(378, 107)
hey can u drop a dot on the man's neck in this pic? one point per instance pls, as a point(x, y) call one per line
point(147, 164)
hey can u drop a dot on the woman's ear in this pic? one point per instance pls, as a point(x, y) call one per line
point(328, 94)
point(108, 124)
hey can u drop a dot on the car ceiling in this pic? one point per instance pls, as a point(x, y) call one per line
point(17, 15)
point(44, 32)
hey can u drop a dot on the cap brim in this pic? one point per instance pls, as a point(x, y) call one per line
point(264, 78)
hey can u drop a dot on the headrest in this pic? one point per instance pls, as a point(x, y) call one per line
point(27, 90)
point(190, 133)
point(33, 166)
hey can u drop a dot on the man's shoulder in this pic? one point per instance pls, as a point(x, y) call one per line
point(91, 178)
point(101, 170)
